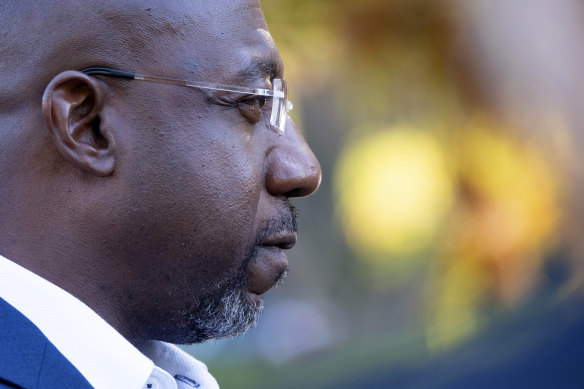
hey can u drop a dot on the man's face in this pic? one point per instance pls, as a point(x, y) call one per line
point(203, 211)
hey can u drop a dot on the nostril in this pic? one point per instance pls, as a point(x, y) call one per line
point(297, 193)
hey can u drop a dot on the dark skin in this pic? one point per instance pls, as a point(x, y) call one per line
point(140, 198)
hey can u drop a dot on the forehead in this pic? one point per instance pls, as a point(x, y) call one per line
point(224, 41)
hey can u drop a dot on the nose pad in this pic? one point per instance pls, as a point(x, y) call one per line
point(292, 169)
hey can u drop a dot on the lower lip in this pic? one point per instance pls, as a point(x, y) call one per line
point(265, 268)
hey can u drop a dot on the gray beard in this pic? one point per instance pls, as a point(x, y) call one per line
point(229, 312)
point(226, 316)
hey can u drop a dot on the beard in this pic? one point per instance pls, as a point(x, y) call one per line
point(230, 312)
point(225, 314)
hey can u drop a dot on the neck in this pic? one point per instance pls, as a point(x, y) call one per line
point(69, 267)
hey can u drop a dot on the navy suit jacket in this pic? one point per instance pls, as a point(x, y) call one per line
point(28, 359)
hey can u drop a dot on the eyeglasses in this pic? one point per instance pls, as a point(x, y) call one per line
point(279, 94)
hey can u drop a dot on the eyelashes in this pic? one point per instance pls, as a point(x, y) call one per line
point(255, 102)
point(253, 107)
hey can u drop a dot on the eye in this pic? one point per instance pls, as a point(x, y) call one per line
point(255, 102)
point(252, 107)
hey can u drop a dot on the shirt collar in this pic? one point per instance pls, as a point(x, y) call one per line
point(186, 371)
point(101, 354)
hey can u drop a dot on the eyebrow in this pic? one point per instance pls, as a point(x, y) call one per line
point(260, 67)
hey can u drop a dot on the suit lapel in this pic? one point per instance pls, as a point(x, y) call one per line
point(28, 359)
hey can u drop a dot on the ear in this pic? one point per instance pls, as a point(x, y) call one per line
point(72, 108)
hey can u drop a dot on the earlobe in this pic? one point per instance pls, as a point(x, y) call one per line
point(73, 109)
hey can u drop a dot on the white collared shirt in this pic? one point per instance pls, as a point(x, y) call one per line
point(100, 353)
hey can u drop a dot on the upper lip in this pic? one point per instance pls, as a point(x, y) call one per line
point(283, 240)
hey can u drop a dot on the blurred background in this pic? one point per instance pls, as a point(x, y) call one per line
point(443, 249)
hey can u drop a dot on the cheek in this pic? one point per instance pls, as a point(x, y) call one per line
point(204, 190)
point(225, 180)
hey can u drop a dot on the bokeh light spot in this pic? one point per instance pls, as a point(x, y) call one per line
point(393, 190)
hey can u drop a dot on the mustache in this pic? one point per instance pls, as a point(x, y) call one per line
point(286, 221)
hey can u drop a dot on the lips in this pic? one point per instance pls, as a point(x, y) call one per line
point(269, 262)
point(283, 240)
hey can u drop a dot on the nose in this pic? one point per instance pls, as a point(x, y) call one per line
point(292, 169)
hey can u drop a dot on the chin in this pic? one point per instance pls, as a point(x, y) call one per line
point(225, 313)
point(230, 316)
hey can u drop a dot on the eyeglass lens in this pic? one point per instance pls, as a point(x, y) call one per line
point(279, 106)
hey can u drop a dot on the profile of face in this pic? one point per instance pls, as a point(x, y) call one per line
point(199, 217)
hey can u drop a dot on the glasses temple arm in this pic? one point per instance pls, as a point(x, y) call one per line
point(109, 72)
point(133, 76)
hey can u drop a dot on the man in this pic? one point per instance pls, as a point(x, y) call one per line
point(135, 211)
